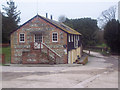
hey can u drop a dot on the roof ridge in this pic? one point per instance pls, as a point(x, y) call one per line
point(61, 27)
point(70, 31)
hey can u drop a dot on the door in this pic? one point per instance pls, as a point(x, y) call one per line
point(37, 39)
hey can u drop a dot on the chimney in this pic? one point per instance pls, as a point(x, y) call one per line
point(46, 15)
point(51, 17)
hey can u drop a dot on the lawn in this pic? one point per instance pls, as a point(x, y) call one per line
point(7, 52)
point(102, 45)
point(104, 52)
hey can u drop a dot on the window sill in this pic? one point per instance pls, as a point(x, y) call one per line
point(21, 42)
point(54, 41)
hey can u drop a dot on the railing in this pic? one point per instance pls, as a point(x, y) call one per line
point(97, 48)
point(42, 46)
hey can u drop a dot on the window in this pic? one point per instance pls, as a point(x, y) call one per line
point(55, 37)
point(75, 42)
point(38, 37)
point(22, 37)
point(69, 38)
point(72, 38)
point(78, 37)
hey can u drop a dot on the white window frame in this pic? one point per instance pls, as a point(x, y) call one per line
point(78, 37)
point(52, 36)
point(75, 41)
point(42, 38)
point(20, 37)
point(71, 38)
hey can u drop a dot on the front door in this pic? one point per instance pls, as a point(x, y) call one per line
point(37, 39)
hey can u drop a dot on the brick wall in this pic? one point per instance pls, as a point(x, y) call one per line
point(34, 57)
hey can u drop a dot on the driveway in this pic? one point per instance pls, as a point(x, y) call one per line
point(99, 72)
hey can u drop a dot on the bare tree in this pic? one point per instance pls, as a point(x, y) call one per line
point(62, 18)
point(107, 16)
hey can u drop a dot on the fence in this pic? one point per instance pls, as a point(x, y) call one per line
point(4, 45)
point(97, 48)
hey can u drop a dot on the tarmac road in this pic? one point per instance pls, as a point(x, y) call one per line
point(97, 73)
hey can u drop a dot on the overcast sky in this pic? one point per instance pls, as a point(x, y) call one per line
point(70, 8)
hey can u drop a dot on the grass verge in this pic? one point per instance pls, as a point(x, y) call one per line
point(7, 52)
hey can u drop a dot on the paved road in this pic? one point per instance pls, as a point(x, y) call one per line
point(97, 73)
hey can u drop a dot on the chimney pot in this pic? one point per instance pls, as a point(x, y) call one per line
point(46, 15)
point(51, 17)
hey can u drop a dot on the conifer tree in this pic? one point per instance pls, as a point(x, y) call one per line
point(11, 18)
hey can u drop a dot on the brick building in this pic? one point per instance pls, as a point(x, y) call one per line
point(43, 40)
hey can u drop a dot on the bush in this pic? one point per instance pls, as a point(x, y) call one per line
point(112, 35)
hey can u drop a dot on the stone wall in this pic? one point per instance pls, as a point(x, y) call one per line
point(37, 24)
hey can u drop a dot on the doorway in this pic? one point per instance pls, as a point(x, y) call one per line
point(37, 39)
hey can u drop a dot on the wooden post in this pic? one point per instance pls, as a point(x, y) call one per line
point(55, 58)
point(40, 47)
point(102, 49)
point(3, 58)
point(31, 46)
point(89, 51)
point(48, 53)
